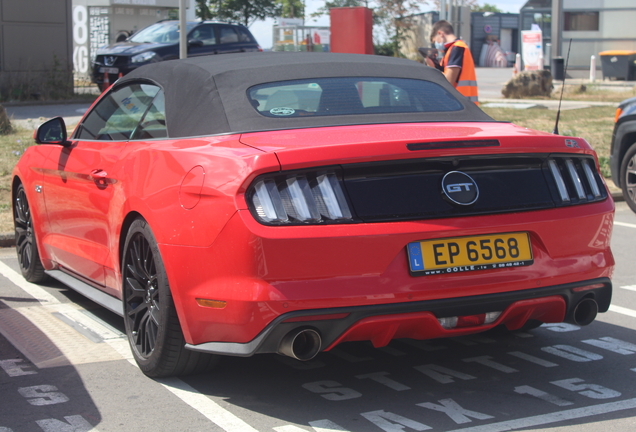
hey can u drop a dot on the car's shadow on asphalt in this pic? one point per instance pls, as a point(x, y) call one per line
point(554, 372)
point(41, 388)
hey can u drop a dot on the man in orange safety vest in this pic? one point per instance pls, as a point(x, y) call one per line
point(457, 65)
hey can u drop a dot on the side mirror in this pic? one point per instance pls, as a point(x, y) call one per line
point(52, 132)
point(195, 43)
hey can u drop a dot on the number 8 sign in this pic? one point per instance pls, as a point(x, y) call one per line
point(80, 37)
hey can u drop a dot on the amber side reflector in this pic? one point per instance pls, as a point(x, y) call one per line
point(217, 304)
point(317, 317)
point(588, 287)
point(618, 114)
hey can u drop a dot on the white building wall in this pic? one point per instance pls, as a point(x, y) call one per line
point(617, 30)
point(598, 4)
point(618, 24)
point(585, 4)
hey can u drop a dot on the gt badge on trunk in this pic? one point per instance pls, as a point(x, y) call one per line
point(460, 188)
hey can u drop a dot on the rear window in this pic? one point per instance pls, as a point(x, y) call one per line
point(350, 95)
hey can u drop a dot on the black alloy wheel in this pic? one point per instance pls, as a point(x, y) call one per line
point(628, 177)
point(151, 320)
point(142, 295)
point(25, 245)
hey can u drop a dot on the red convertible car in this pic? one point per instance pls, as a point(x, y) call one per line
point(285, 203)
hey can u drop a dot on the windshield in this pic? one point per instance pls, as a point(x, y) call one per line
point(161, 32)
point(348, 95)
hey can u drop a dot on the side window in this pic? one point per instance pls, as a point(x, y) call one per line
point(153, 124)
point(227, 34)
point(244, 35)
point(116, 116)
point(205, 34)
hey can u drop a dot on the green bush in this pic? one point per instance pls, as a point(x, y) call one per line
point(385, 49)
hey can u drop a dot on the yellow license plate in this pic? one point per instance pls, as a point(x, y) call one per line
point(462, 254)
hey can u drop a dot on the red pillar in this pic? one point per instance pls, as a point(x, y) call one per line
point(351, 30)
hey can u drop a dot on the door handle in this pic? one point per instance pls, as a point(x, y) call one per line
point(98, 174)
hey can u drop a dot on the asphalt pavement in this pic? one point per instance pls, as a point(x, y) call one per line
point(29, 116)
point(491, 81)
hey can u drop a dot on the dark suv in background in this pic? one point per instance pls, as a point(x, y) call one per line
point(623, 151)
point(160, 41)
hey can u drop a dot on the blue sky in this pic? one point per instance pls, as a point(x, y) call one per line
point(262, 30)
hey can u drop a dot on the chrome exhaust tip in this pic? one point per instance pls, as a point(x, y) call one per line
point(585, 312)
point(301, 344)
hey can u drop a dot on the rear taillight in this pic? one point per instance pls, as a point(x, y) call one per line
point(298, 199)
point(576, 179)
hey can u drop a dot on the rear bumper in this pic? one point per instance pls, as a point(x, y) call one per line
point(266, 276)
point(418, 320)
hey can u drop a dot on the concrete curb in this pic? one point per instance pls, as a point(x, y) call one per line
point(617, 196)
point(555, 101)
point(51, 102)
point(7, 240)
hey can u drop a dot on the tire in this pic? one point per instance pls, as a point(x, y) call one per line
point(628, 177)
point(25, 244)
point(151, 320)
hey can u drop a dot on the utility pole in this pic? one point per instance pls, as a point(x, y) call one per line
point(451, 11)
point(183, 30)
point(557, 28)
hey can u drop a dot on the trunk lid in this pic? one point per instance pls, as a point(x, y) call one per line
point(301, 148)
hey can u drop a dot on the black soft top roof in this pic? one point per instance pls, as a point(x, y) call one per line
point(208, 95)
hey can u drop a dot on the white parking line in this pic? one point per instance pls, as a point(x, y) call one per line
point(33, 290)
point(559, 416)
point(629, 287)
point(622, 310)
point(625, 224)
point(50, 305)
point(210, 409)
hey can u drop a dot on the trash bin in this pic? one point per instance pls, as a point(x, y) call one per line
point(558, 66)
point(619, 65)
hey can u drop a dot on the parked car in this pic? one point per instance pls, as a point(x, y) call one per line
point(623, 151)
point(160, 41)
point(288, 202)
